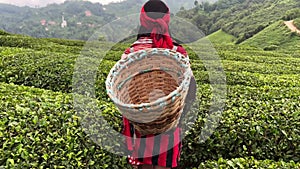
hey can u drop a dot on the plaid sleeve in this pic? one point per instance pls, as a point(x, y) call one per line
point(127, 51)
point(128, 132)
point(181, 50)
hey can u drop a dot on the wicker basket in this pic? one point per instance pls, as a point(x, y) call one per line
point(149, 88)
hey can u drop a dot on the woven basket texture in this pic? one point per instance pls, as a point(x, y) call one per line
point(149, 88)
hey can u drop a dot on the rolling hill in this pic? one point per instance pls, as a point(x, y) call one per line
point(224, 21)
point(275, 36)
point(220, 37)
point(128, 7)
point(241, 18)
point(83, 17)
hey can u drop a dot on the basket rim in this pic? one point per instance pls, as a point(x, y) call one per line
point(180, 58)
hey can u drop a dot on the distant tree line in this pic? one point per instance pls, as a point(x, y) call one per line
point(240, 18)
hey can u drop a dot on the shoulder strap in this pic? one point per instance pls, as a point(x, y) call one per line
point(131, 49)
point(174, 48)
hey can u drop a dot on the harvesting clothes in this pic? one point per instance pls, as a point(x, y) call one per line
point(163, 149)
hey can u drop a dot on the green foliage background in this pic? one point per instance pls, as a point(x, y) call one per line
point(39, 127)
point(241, 18)
point(297, 23)
point(259, 128)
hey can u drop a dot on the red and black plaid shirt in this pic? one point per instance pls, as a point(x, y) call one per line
point(161, 150)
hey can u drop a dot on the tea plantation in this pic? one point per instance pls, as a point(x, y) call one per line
point(39, 128)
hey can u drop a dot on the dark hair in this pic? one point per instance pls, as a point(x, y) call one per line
point(154, 9)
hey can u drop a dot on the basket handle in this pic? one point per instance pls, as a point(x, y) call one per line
point(174, 49)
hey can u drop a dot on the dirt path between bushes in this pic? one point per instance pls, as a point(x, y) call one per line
point(291, 26)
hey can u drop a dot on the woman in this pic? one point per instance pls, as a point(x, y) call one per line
point(154, 33)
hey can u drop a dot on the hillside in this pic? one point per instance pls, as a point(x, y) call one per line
point(243, 18)
point(83, 17)
point(128, 7)
point(275, 36)
point(220, 37)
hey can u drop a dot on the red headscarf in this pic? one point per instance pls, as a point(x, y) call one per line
point(160, 29)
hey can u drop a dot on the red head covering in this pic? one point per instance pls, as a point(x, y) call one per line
point(160, 29)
